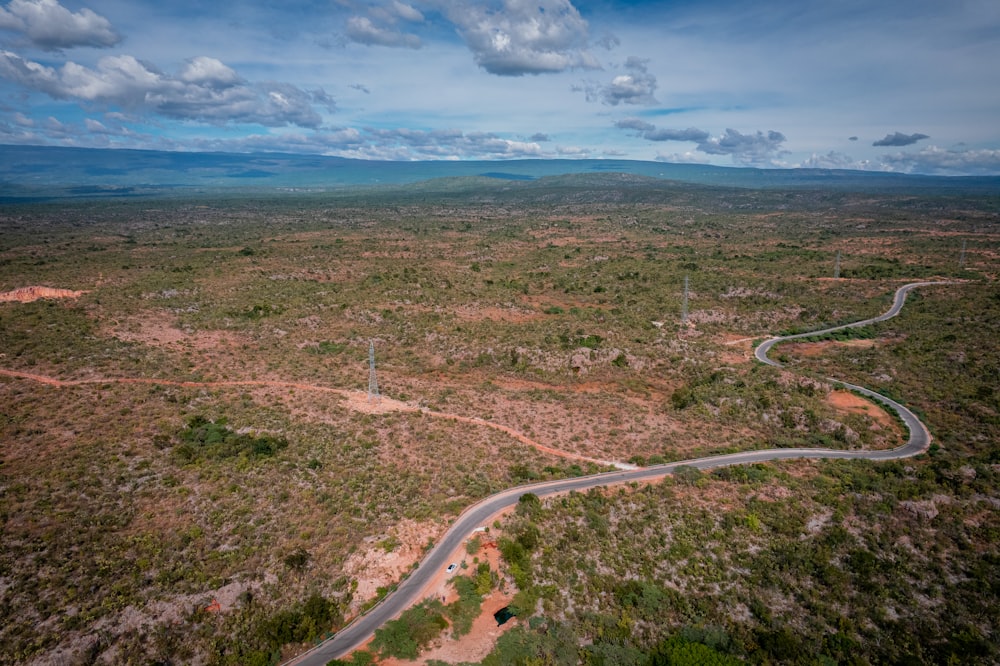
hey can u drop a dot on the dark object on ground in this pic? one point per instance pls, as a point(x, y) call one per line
point(502, 615)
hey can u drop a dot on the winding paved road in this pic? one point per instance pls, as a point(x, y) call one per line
point(408, 592)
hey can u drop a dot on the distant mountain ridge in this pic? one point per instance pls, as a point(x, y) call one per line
point(42, 172)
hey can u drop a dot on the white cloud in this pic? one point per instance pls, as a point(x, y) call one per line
point(362, 30)
point(51, 26)
point(385, 144)
point(832, 160)
point(517, 37)
point(900, 139)
point(934, 160)
point(574, 151)
point(95, 126)
point(205, 89)
point(343, 140)
point(208, 72)
point(687, 157)
point(449, 144)
point(406, 12)
point(651, 132)
point(636, 86)
point(89, 133)
point(747, 149)
point(380, 26)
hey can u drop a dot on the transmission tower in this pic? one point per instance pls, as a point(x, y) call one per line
point(373, 395)
point(836, 267)
point(684, 303)
point(961, 257)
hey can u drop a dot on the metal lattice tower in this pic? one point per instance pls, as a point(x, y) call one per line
point(961, 258)
point(373, 395)
point(836, 267)
point(684, 303)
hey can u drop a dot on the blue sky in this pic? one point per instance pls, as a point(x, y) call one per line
point(895, 85)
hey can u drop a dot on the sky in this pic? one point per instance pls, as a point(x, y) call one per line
point(889, 85)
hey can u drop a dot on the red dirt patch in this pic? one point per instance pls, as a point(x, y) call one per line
point(157, 328)
point(814, 349)
point(846, 401)
point(29, 294)
point(509, 315)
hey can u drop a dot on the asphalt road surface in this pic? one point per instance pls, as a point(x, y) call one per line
point(408, 592)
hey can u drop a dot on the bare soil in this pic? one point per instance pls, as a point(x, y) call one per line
point(815, 349)
point(156, 328)
point(848, 402)
point(34, 293)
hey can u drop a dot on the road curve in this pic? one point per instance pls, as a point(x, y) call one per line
point(408, 592)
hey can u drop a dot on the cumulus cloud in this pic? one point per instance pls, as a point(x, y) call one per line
point(90, 133)
point(650, 132)
point(747, 149)
point(636, 86)
point(900, 139)
point(204, 89)
point(51, 26)
point(939, 161)
point(518, 37)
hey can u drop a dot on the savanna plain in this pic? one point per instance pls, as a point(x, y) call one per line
point(192, 470)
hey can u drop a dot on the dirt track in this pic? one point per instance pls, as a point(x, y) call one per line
point(356, 400)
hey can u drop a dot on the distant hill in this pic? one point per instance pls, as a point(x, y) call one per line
point(41, 172)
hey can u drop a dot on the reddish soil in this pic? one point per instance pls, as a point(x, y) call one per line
point(814, 349)
point(848, 402)
point(157, 329)
point(29, 294)
point(356, 400)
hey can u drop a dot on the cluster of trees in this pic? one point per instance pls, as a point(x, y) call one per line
point(214, 440)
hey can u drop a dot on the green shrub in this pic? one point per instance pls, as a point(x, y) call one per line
point(213, 440)
point(405, 637)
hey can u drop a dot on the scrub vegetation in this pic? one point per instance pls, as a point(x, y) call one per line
point(198, 486)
